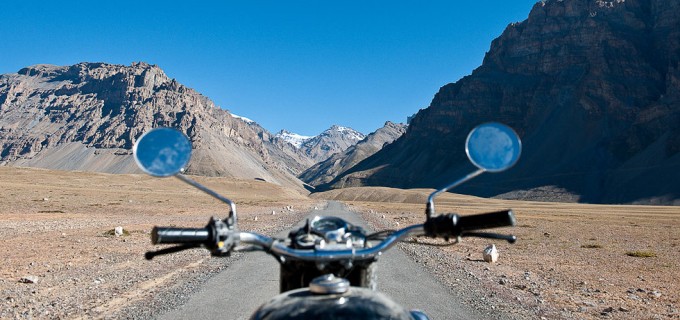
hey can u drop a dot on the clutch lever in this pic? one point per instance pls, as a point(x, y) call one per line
point(151, 254)
point(507, 237)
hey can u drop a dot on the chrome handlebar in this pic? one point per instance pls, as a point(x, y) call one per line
point(279, 248)
point(221, 239)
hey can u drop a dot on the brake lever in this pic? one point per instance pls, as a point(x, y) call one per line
point(151, 254)
point(509, 238)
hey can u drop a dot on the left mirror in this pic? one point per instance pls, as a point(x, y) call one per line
point(162, 152)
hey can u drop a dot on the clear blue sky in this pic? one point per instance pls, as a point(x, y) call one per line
point(298, 65)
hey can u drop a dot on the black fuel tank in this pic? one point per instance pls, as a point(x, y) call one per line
point(356, 303)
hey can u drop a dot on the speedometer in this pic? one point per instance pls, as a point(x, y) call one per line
point(324, 225)
point(330, 228)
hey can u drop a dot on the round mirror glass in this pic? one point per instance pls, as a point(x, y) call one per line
point(162, 152)
point(493, 147)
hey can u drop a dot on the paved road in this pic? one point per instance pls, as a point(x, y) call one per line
point(237, 291)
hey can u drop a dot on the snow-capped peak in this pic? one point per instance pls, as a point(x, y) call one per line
point(244, 119)
point(332, 138)
point(349, 133)
point(292, 138)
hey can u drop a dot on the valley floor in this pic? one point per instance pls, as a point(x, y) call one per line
point(571, 261)
point(56, 229)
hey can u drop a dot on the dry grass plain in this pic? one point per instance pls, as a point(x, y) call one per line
point(571, 261)
point(54, 225)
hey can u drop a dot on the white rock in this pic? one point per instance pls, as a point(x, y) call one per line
point(255, 218)
point(29, 279)
point(273, 213)
point(490, 254)
point(118, 231)
point(383, 216)
point(46, 199)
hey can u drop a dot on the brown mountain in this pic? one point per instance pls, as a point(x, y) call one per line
point(325, 171)
point(593, 88)
point(88, 116)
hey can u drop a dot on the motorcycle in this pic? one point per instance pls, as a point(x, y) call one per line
point(327, 267)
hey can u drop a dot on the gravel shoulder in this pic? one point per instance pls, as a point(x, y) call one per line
point(61, 260)
point(571, 261)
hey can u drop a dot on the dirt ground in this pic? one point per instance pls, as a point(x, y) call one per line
point(55, 228)
point(571, 261)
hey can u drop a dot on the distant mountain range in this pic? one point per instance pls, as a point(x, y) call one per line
point(593, 89)
point(339, 162)
point(88, 116)
point(319, 148)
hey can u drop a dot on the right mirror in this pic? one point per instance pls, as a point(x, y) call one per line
point(493, 147)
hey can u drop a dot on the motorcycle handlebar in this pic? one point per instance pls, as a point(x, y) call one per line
point(445, 226)
point(163, 235)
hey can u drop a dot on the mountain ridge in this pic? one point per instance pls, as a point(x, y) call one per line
point(333, 140)
point(592, 87)
point(326, 170)
point(88, 115)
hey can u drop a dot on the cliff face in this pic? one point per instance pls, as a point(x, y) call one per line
point(593, 89)
point(88, 116)
point(325, 171)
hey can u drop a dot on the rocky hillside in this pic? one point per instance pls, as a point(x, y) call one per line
point(593, 88)
point(325, 171)
point(318, 148)
point(88, 116)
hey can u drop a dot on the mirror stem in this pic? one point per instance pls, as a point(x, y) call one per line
point(429, 211)
point(232, 206)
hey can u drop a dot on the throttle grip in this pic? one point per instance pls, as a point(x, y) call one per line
point(453, 225)
point(161, 235)
point(490, 220)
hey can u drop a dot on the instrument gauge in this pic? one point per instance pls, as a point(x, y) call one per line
point(331, 228)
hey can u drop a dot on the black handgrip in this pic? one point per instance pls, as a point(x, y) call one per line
point(453, 225)
point(498, 219)
point(160, 235)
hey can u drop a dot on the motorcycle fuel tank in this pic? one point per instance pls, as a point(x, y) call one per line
point(355, 303)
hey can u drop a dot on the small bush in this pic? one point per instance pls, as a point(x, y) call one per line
point(641, 254)
point(591, 246)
